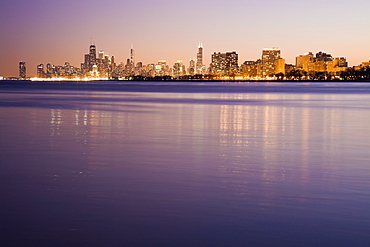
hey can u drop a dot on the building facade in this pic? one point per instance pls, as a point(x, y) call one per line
point(270, 56)
point(22, 70)
point(224, 64)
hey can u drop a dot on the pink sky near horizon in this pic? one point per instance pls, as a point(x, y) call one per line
point(51, 31)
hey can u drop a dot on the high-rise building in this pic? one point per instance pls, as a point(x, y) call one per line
point(90, 59)
point(232, 66)
point(92, 54)
point(191, 69)
point(249, 69)
point(178, 69)
point(87, 66)
point(199, 63)
point(305, 61)
point(49, 70)
point(269, 58)
point(101, 55)
point(322, 56)
point(132, 56)
point(342, 62)
point(280, 66)
point(22, 70)
point(224, 63)
point(40, 71)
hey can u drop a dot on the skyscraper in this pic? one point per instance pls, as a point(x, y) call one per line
point(178, 69)
point(191, 69)
point(224, 63)
point(132, 56)
point(40, 71)
point(304, 61)
point(269, 58)
point(92, 56)
point(22, 70)
point(49, 70)
point(199, 64)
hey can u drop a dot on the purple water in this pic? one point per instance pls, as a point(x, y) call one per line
point(197, 164)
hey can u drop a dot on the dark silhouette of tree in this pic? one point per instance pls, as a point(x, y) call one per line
point(279, 76)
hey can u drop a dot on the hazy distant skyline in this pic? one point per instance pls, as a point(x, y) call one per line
point(50, 31)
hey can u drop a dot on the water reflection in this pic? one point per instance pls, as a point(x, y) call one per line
point(266, 165)
point(285, 142)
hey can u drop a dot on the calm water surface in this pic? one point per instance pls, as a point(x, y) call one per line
point(185, 165)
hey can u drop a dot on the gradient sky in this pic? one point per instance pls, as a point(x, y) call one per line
point(53, 31)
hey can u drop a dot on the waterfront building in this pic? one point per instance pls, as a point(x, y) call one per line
point(199, 62)
point(280, 66)
point(40, 71)
point(92, 55)
point(49, 70)
point(224, 64)
point(191, 69)
point(22, 70)
point(94, 71)
point(249, 69)
point(321, 62)
point(101, 55)
point(269, 59)
point(178, 69)
point(303, 61)
point(322, 56)
point(86, 64)
point(365, 64)
point(132, 56)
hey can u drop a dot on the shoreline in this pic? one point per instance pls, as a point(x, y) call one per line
point(306, 87)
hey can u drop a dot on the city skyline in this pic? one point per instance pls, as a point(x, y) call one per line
point(49, 31)
point(224, 66)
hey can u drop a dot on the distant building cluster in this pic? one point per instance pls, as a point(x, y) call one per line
point(223, 66)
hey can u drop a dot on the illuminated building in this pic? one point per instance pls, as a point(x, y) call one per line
point(40, 71)
point(101, 55)
point(161, 68)
point(86, 67)
point(365, 64)
point(139, 65)
point(191, 69)
point(249, 69)
point(132, 56)
point(269, 58)
point(92, 55)
point(199, 63)
point(113, 63)
point(342, 62)
point(320, 63)
point(49, 70)
point(322, 56)
point(94, 71)
point(303, 61)
point(336, 65)
point(224, 63)
point(90, 60)
point(280, 66)
point(178, 69)
point(22, 70)
point(218, 63)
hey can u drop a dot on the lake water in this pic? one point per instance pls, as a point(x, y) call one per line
point(185, 164)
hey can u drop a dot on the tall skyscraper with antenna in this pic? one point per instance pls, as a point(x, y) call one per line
point(199, 65)
point(92, 55)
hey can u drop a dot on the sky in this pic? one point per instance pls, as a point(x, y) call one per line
point(54, 31)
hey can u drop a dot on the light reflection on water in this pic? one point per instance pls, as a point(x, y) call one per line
point(194, 169)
